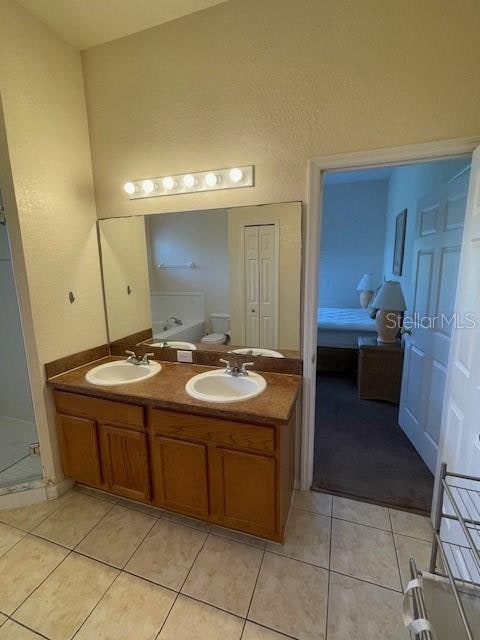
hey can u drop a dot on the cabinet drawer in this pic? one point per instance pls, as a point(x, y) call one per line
point(114, 413)
point(212, 431)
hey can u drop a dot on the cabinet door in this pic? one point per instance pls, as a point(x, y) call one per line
point(125, 462)
point(180, 475)
point(78, 440)
point(247, 491)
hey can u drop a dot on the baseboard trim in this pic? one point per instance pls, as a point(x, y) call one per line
point(32, 493)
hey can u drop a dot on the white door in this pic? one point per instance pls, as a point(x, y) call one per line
point(460, 440)
point(260, 269)
point(438, 238)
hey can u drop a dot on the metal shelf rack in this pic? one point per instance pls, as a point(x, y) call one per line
point(459, 501)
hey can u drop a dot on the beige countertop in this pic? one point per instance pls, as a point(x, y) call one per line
point(166, 390)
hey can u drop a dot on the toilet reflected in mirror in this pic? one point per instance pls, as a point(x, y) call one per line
point(221, 278)
point(220, 325)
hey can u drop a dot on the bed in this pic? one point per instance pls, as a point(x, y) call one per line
point(340, 328)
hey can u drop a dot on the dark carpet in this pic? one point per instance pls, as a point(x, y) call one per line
point(361, 452)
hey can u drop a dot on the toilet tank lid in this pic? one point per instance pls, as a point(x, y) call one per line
point(220, 315)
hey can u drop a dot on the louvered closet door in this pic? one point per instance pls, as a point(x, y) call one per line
point(260, 286)
point(267, 261)
point(252, 286)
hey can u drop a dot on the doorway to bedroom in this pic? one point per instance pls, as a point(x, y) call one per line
point(390, 242)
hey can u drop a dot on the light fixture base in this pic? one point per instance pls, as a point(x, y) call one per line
point(171, 185)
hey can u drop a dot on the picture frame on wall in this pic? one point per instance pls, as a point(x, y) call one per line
point(399, 248)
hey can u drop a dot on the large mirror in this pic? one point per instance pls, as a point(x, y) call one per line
point(206, 279)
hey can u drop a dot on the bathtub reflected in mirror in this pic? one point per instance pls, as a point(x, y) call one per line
point(218, 279)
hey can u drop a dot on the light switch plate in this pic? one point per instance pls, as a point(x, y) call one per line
point(184, 356)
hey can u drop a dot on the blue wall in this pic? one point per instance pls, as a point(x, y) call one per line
point(353, 239)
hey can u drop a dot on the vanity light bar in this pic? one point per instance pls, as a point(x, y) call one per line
point(191, 182)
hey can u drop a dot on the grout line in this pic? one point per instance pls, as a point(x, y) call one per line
point(15, 543)
point(253, 591)
point(96, 605)
point(374, 584)
point(165, 516)
point(31, 505)
point(209, 604)
point(396, 553)
point(315, 566)
point(362, 524)
point(329, 575)
point(406, 535)
point(38, 535)
point(70, 552)
point(25, 626)
point(140, 543)
point(220, 534)
point(264, 626)
point(181, 587)
point(283, 555)
point(39, 585)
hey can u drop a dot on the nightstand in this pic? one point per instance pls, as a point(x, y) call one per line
point(380, 369)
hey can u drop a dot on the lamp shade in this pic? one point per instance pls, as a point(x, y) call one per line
point(390, 297)
point(366, 283)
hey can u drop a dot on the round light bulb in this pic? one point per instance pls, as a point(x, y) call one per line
point(148, 186)
point(236, 175)
point(211, 179)
point(168, 183)
point(130, 188)
point(189, 181)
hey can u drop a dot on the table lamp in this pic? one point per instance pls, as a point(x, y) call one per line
point(390, 303)
point(366, 288)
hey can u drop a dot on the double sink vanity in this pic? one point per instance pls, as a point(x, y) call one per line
point(204, 425)
point(216, 444)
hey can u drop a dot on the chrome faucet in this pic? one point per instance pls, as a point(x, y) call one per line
point(233, 369)
point(175, 320)
point(134, 359)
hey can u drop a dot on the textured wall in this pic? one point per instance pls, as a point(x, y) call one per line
point(52, 219)
point(44, 106)
point(125, 264)
point(273, 83)
point(353, 240)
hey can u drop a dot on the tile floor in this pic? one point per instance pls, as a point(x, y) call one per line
point(90, 566)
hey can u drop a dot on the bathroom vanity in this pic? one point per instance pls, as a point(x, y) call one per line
point(231, 464)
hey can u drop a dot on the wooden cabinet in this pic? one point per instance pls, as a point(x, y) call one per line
point(247, 489)
point(235, 474)
point(125, 462)
point(180, 476)
point(238, 475)
point(79, 449)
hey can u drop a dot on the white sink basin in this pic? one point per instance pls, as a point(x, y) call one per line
point(254, 351)
point(174, 344)
point(121, 372)
point(217, 386)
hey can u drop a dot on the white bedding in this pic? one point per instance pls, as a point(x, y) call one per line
point(345, 319)
point(340, 328)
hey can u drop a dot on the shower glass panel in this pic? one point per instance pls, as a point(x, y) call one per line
point(18, 463)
